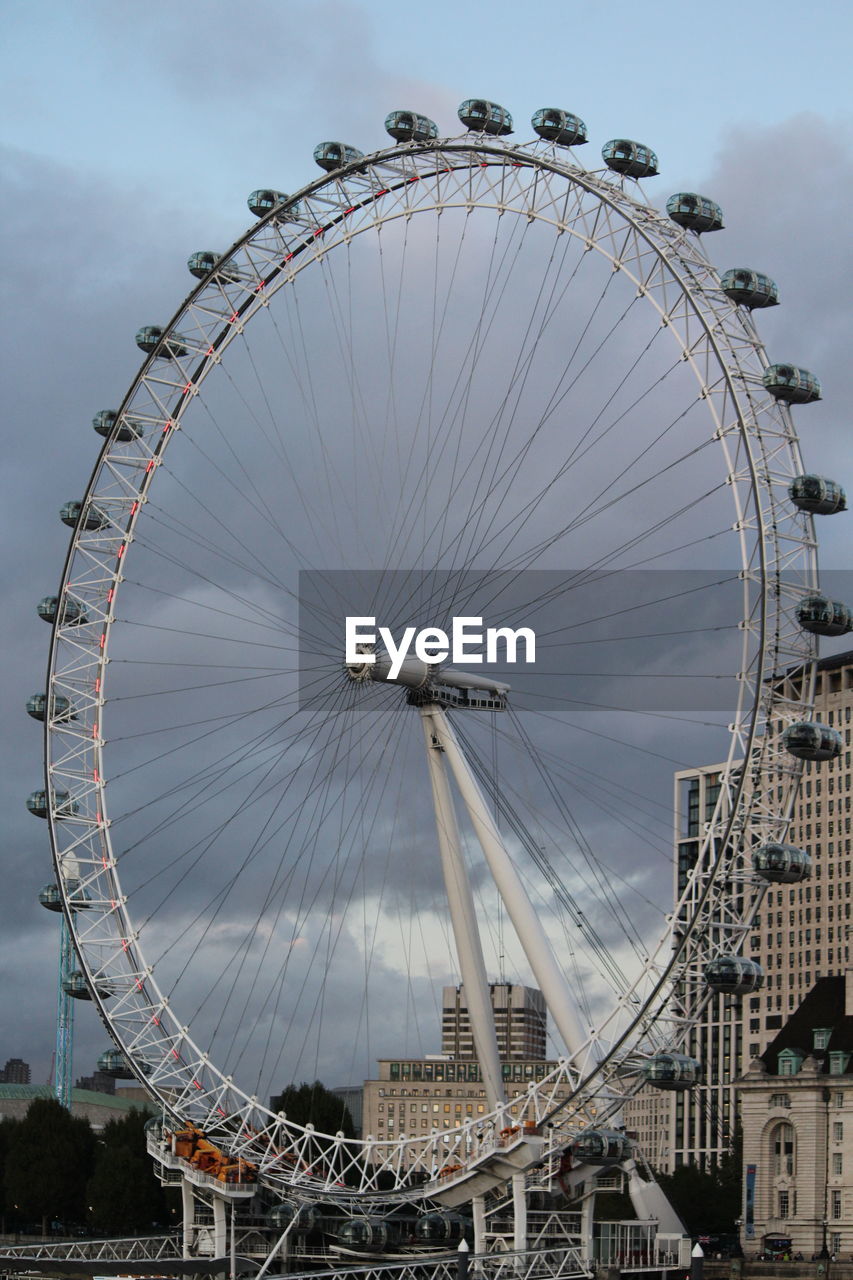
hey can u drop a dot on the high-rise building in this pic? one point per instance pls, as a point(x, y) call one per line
point(800, 935)
point(520, 1022)
point(16, 1071)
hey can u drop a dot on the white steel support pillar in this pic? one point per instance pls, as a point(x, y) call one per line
point(220, 1230)
point(537, 948)
point(460, 900)
point(478, 1208)
point(519, 1212)
point(188, 1211)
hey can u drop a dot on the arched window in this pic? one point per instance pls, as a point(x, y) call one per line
point(783, 1150)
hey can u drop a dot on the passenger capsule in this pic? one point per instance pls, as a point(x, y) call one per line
point(69, 513)
point(439, 1227)
point(408, 126)
point(733, 975)
point(61, 708)
point(105, 422)
point(695, 213)
point(601, 1147)
point(72, 613)
point(809, 740)
point(50, 897)
point(749, 288)
point(63, 805)
point(824, 617)
point(363, 1233)
point(631, 158)
point(334, 155)
point(116, 1064)
point(485, 117)
point(264, 200)
point(281, 1215)
point(672, 1071)
point(781, 863)
point(76, 986)
point(817, 495)
point(202, 263)
point(555, 125)
point(151, 338)
point(793, 385)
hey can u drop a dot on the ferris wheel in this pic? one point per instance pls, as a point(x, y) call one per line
point(454, 378)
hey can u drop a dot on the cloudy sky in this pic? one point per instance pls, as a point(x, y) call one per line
point(132, 135)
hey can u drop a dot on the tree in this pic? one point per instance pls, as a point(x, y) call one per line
point(48, 1163)
point(317, 1105)
point(123, 1194)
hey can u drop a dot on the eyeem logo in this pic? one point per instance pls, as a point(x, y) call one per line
point(467, 643)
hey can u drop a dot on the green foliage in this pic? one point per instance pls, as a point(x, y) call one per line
point(317, 1105)
point(49, 1158)
point(708, 1202)
point(123, 1194)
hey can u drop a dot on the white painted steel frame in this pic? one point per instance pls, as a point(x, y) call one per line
point(719, 342)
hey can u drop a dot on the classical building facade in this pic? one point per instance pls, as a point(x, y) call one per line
point(800, 935)
point(797, 1114)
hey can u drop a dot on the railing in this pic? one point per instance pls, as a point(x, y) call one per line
point(537, 1264)
point(139, 1247)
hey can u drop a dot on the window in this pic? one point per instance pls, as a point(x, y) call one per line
point(783, 1204)
point(780, 1100)
point(838, 1062)
point(838, 1131)
point(837, 1162)
point(783, 1149)
point(836, 1204)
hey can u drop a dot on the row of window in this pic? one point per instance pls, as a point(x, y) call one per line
point(456, 1071)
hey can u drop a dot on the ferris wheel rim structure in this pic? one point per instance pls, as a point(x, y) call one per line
point(759, 444)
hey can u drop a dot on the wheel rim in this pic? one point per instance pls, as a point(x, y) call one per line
point(380, 198)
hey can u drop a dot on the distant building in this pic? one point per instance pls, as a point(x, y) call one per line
point(16, 1071)
point(520, 1022)
point(352, 1096)
point(97, 1082)
point(801, 935)
point(97, 1108)
point(796, 1100)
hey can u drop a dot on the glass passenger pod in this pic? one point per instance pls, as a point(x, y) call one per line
point(824, 617)
point(439, 1226)
point(107, 423)
point(408, 126)
point(632, 159)
point(281, 1215)
point(264, 200)
point(364, 1233)
point(601, 1146)
point(672, 1071)
point(154, 1128)
point(61, 707)
point(63, 805)
point(202, 263)
point(334, 155)
point(556, 125)
point(749, 288)
point(69, 513)
point(480, 116)
point(114, 1063)
point(794, 386)
point(72, 613)
point(153, 340)
point(734, 975)
point(695, 213)
point(810, 740)
point(50, 897)
point(76, 986)
point(781, 863)
point(817, 495)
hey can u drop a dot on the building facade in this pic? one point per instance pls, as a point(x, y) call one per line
point(16, 1071)
point(520, 1022)
point(800, 935)
point(797, 1113)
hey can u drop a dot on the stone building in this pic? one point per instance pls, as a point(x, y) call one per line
point(800, 935)
point(797, 1113)
point(97, 1108)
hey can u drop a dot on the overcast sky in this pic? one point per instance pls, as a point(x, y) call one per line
point(132, 135)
